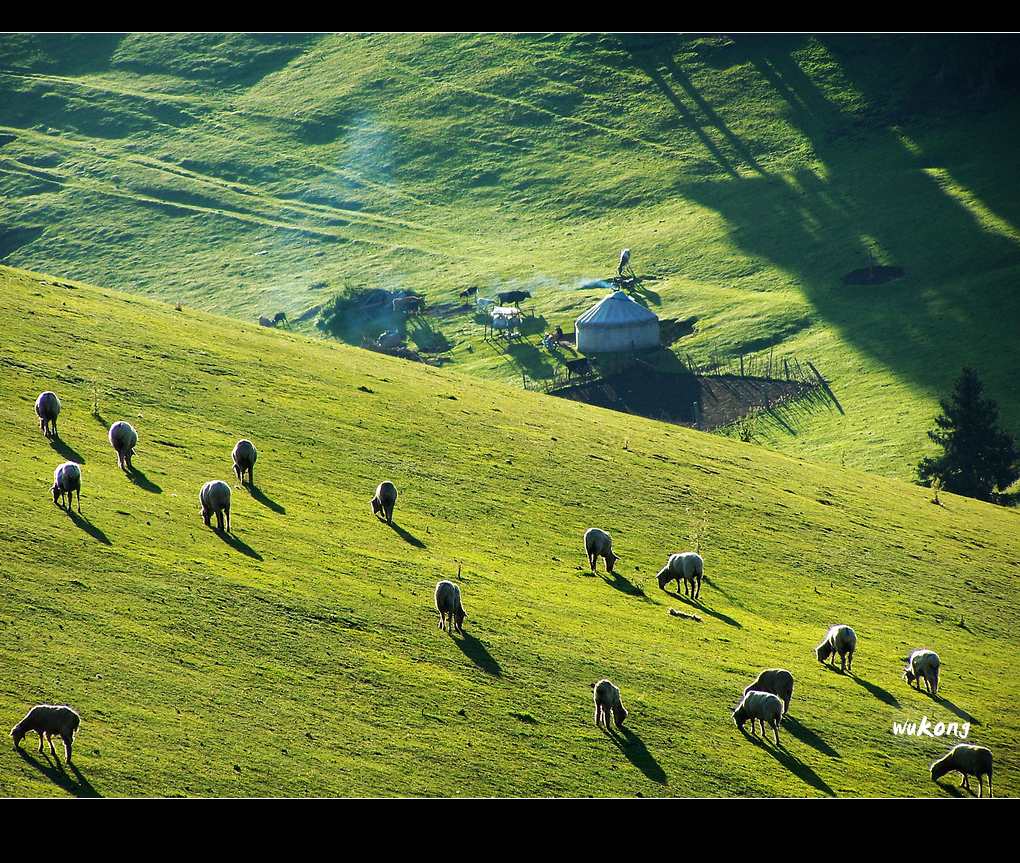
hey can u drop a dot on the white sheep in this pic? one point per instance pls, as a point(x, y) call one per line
point(687, 567)
point(215, 498)
point(123, 439)
point(448, 604)
point(923, 665)
point(47, 720)
point(47, 407)
point(764, 707)
point(839, 639)
point(968, 760)
point(607, 699)
point(244, 456)
point(598, 543)
point(67, 481)
point(778, 681)
point(384, 500)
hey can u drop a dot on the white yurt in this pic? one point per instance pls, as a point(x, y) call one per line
point(615, 324)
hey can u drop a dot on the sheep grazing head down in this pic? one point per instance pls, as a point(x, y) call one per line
point(611, 560)
point(458, 619)
point(18, 733)
point(908, 675)
point(376, 506)
point(56, 492)
point(740, 716)
point(619, 714)
point(823, 651)
point(664, 577)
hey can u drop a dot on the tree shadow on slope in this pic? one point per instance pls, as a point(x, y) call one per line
point(806, 735)
point(82, 522)
point(477, 652)
point(792, 763)
point(876, 198)
point(139, 478)
point(633, 747)
point(79, 786)
point(66, 451)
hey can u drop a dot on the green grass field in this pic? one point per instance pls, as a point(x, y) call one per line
point(301, 656)
point(251, 174)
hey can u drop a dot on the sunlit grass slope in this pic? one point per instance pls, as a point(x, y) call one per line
point(252, 174)
point(301, 656)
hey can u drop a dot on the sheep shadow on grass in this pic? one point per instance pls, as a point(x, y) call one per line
point(622, 584)
point(265, 500)
point(92, 530)
point(883, 695)
point(238, 544)
point(407, 536)
point(477, 652)
point(791, 762)
point(142, 481)
point(79, 786)
point(637, 754)
point(958, 711)
point(806, 735)
point(66, 451)
point(698, 604)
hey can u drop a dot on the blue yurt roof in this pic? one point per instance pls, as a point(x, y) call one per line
point(616, 310)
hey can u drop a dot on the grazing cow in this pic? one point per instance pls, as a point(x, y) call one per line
point(468, 292)
point(507, 297)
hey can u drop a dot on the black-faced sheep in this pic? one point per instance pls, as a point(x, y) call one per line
point(47, 407)
point(47, 720)
point(764, 707)
point(448, 604)
point(607, 699)
point(842, 640)
point(778, 681)
point(686, 567)
point(923, 665)
point(598, 543)
point(384, 500)
point(67, 483)
point(123, 439)
point(215, 498)
point(244, 456)
point(968, 760)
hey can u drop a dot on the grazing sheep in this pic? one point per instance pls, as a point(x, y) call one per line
point(607, 698)
point(778, 681)
point(598, 543)
point(923, 665)
point(448, 604)
point(384, 500)
point(215, 498)
point(123, 439)
point(47, 720)
point(67, 481)
point(762, 706)
point(47, 406)
point(839, 639)
point(968, 760)
point(244, 456)
point(687, 567)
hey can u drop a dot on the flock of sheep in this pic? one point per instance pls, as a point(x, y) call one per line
point(767, 700)
point(764, 702)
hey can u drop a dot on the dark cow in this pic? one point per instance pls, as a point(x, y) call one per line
point(468, 292)
point(579, 367)
point(507, 297)
point(409, 305)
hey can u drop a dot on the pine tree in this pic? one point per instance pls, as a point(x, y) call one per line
point(977, 456)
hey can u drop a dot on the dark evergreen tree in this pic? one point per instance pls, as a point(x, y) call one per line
point(977, 456)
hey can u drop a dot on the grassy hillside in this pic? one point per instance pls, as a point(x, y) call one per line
point(251, 174)
point(301, 655)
